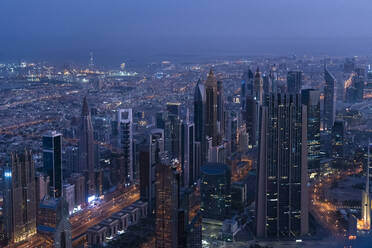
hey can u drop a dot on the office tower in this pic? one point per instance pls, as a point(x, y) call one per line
point(160, 119)
point(232, 131)
point(172, 133)
point(329, 96)
point(294, 82)
point(125, 118)
point(78, 181)
point(282, 200)
point(69, 196)
point(19, 197)
point(189, 170)
point(53, 222)
point(251, 122)
point(215, 191)
point(366, 201)
point(42, 182)
point(52, 161)
point(148, 158)
point(71, 160)
point(86, 148)
point(246, 86)
point(220, 112)
point(167, 204)
point(338, 141)
point(211, 107)
point(267, 84)
point(311, 98)
point(173, 108)
point(200, 116)
point(258, 86)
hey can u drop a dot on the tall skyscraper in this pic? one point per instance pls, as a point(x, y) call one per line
point(246, 86)
point(251, 122)
point(211, 107)
point(338, 141)
point(220, 113)
point(258, 86)
point(215, 191)
point(19, 197)
point(188, 160)
point(200, 116)
point(52, 161)
point(311, 98)
point(282, 201)
point(174, 108)
point(366, 200)
point(167, 204)
point(86, 148)
point(294, 82)
point(126, 141)
point(329, 103)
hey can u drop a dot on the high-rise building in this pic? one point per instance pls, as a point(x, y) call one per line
point(167, 204)
point(329, 103)
point(200, 116)
point(366, 200)
point(282, 201)
point(246, 86)
point(251, 122)
point(125, 118)
point(53, 221)
point(294, 82)
point(173, 108)
point(86, 148)
point(172, 133)
point(52, 161)
point(215, 191)
point(190, 172)
point(258, 86)
point(78, 181)
point(220, 112)
point(311, 98)
point(19, 197)
point(211, 107)
point(338, 140)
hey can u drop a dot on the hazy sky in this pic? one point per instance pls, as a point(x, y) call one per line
point(119, 29)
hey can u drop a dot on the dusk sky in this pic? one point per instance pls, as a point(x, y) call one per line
point(119, 29)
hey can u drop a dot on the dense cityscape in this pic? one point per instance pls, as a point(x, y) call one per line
point(185, 124)
point(260, 152)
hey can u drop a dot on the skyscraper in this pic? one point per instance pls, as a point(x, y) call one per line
point(211, 107)
point(338, 141)
point(251, 122)
point(52, 161)
point(19, 197)
point(366, 201)
point(220, 113)
point(311, 98)
point(246, 86)
point(258, 86)
point(215, 191)
point(282, 201)
point(200, 116)
point(188, 161)
point(294, 82)
point(174, 108)
point(329, 96)
point(86, 148)
point(167, 204)
point(125, 118)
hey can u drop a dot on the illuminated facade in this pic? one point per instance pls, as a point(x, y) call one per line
point(329, 102)
point(311, 98)
point(282, 200)
point(19, 198)
point(167, 205)
point(86, 148)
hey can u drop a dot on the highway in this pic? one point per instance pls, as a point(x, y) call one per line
point(94, 215)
